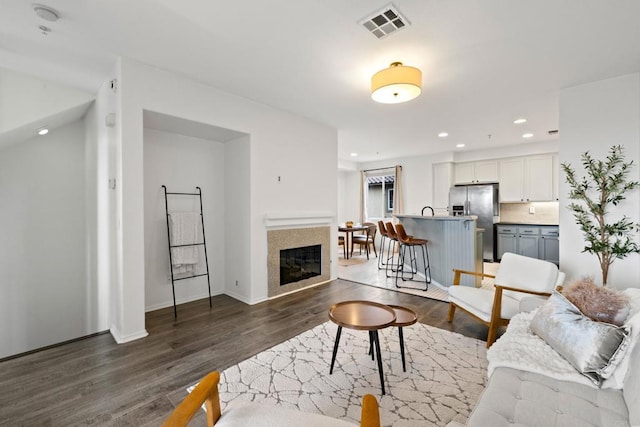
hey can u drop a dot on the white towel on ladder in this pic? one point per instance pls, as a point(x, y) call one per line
point(184, 231)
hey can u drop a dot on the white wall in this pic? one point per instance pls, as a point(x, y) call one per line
point(181, 163)
point(26, 100)
point(348, 196)
point(593, 117)
point(99, 208)
point(237, 209)
point(526, 149)
point(45, 297)
point(299, 151)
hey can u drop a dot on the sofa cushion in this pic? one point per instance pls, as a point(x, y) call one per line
point(633, 322)
point(631, 390)
point(515, 397)
point(243, 413)
point(593, 348)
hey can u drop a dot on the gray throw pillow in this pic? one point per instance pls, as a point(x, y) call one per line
point(593, 348)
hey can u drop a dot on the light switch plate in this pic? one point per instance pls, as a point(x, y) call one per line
point(532, 210)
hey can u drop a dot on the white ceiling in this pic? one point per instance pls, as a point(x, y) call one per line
point(484, 62)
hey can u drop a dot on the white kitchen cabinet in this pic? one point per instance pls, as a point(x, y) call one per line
point(539, 179)
point(442, 181)
point(464, 173)
point(527, 179)
point(511, 180)
point(476, 172)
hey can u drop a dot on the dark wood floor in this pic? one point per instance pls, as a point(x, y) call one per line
point(95, 381)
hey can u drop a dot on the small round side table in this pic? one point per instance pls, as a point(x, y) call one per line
point(404, 317)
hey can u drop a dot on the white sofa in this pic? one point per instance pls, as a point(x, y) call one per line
point(532, 385)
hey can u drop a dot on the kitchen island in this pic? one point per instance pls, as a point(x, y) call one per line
point(454, 242)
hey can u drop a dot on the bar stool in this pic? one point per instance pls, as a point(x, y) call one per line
point(393, 242)
point(383, 239)
point(410, 243)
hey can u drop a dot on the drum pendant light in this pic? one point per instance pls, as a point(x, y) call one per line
point(396, 84)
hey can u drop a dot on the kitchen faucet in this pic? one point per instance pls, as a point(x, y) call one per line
point(427, 207)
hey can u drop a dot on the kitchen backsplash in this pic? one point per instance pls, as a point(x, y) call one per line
point(544, 213)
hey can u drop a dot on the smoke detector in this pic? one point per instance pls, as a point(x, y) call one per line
point(385, 21)
point(46, 13)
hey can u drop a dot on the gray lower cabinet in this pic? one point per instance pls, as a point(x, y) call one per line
point(507, 242)
point(533, 241)
point(550, 244)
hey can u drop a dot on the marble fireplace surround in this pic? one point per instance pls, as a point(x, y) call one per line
point(287, 231)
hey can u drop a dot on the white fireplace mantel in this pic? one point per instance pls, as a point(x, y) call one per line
point(298, 219)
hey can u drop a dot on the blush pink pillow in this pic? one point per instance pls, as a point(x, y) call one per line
point(598, 303)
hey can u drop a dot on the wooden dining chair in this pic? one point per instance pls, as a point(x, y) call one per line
point(342, 243)
point(368, 240)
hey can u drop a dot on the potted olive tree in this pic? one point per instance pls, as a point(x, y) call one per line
point(602, 187)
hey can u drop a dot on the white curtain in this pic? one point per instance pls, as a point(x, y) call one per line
point(364, 186)
point(398, 202)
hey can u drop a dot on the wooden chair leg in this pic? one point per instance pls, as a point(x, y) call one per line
point(491, 336)
point(452, 311)
point(374, 249)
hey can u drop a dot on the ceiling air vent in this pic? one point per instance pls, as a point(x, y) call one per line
point(385, 21)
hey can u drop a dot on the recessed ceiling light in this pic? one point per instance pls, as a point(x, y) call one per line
point(520, 121)
point(460, 145)
point(527, 135)
point(46, 13)
point(354, 154)
point(443, 134)
point(43, 131)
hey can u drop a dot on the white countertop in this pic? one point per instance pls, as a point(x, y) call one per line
point(437, 218)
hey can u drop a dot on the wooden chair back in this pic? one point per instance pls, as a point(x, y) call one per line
point(205, 392)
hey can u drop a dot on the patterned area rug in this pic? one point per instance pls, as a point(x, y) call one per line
point(446, 372)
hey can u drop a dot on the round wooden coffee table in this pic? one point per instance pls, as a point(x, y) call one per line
point(363, 316)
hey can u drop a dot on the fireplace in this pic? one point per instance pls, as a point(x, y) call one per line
point(298, 257)
point(300, 263)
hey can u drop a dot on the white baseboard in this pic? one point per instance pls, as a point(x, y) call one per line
point(121, 339)
point(245, 300)
point(178, 302)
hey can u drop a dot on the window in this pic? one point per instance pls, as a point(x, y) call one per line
point(380, 194)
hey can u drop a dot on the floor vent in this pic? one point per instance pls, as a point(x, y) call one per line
point(386, 21)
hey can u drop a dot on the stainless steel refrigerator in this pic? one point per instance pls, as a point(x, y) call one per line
point(482, 201)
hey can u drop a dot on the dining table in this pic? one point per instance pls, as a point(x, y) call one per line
point(348, 233)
